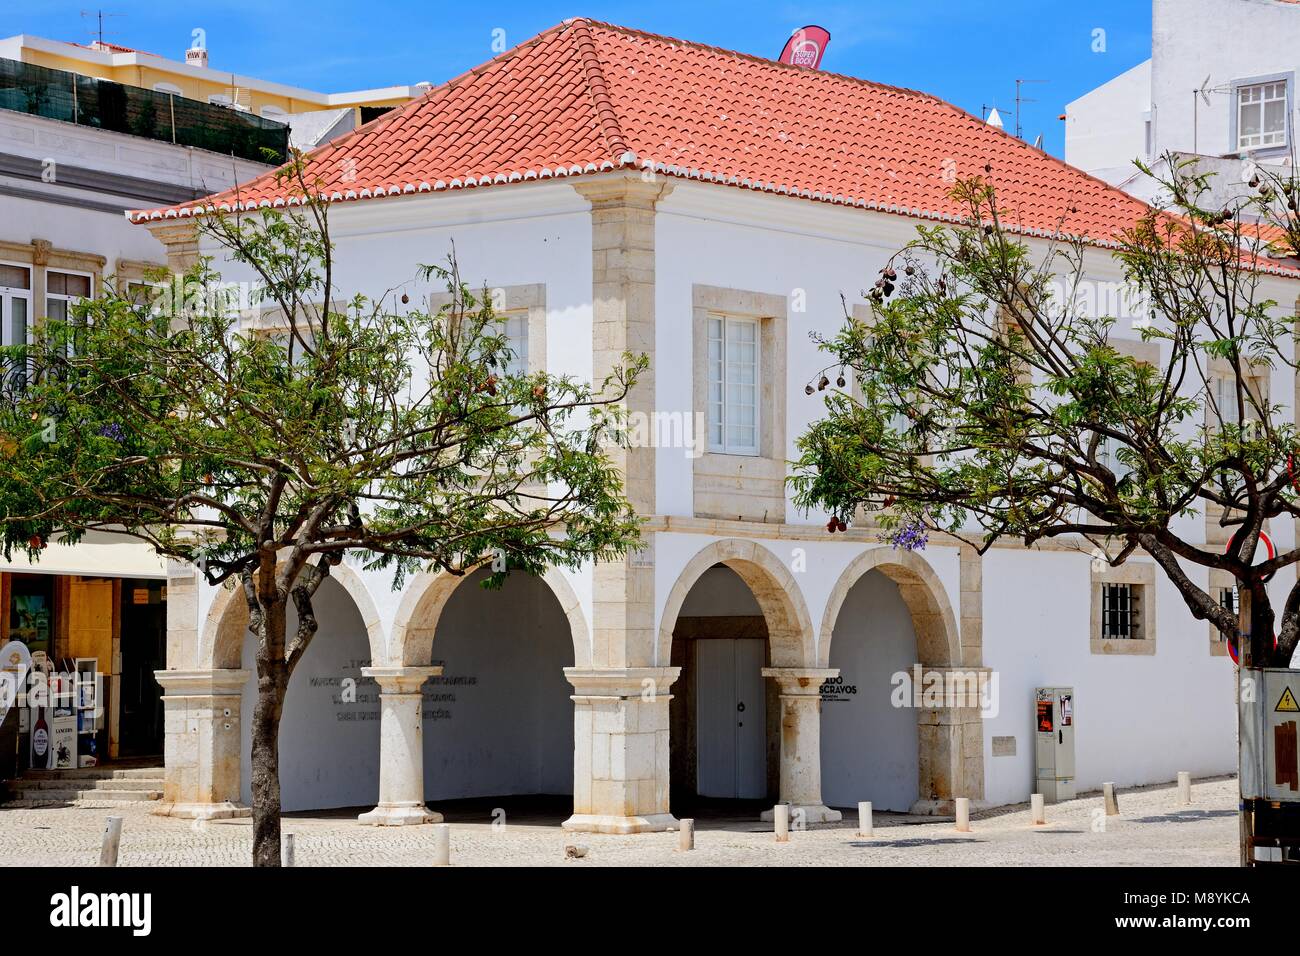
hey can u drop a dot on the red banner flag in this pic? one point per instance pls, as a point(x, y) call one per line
point(805, 47)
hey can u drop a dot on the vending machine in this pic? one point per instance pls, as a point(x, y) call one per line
point(1054, 743)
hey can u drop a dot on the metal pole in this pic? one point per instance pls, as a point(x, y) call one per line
point(1246, 661)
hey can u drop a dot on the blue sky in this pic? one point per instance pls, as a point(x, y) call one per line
point(966, 51)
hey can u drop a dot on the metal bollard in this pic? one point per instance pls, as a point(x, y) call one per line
point(112, 840)
point(963, 814)
point(442, 844)
point(864, 819)
point(288, 850)
point(1111, 800)
point(1184, 788)
point(781, 816)
point(1036, 810)
point(686, 835)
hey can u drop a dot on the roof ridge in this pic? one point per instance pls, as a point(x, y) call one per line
point(598, 88)
point(766, 61)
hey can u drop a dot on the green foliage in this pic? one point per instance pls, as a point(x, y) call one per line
point(992, 400)
point(368, 426)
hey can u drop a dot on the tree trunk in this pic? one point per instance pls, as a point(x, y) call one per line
point(272, 683)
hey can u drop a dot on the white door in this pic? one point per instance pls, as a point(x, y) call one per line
point(730, 716)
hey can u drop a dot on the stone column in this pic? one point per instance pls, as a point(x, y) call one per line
point(401, 747)
point(180, 237)
point(950, 732)
point(620, 749)
point(201, 743)
point(801, 742)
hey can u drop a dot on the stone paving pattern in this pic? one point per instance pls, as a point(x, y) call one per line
point(1152, 830)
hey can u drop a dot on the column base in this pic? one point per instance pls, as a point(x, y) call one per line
point(202, 811)
point(943, 808)
point(812, 813)
point(399, 815)
point(601, 823)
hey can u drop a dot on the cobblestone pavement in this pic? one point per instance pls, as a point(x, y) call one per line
point(1153, 829)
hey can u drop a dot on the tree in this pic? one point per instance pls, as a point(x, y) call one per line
point(373, 427)
point(990, 400)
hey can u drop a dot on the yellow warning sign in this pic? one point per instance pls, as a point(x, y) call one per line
point(1287, 702)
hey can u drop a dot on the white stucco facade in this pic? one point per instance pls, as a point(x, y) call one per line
point(1185, 98)
point(844, 607)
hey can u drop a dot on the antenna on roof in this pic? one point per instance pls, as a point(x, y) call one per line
point(1021, 98)
point(98, 30)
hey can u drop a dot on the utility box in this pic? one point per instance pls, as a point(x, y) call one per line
point(1054, 743)
point(1269, 712)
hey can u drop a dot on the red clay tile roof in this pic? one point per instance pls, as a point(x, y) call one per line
point(587, 96)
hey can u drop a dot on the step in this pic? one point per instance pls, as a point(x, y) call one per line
point(122, 784)
point(95, 773)
point(71, 796)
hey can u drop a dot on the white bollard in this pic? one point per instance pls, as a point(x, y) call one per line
point(1184, 788)
point(442, 844)
point(1036, 809)
point(112, 840)
point(686, 835)
point(781, 816)
point(1110, 799)
point(963, 814)
point(288, 850)
point(864, 819)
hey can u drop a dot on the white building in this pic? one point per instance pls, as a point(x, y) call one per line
point(85, 134)
point(1220, 84)
point(627, 190)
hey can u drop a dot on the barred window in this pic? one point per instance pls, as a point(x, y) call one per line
point(1228, 600)
point(1120, 613)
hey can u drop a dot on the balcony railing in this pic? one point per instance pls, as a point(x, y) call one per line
point(103, 104)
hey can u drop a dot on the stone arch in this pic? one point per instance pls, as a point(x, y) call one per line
point(423, 600)
point(937, 638)
point(227, 622)
point(950, 758)
point(789, 626)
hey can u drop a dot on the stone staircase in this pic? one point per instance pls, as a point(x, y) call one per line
point(119, 784)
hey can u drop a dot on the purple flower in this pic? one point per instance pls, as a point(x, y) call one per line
point(910, 537)
point(114, 431)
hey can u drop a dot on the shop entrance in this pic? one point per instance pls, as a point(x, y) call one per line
point(144, 650)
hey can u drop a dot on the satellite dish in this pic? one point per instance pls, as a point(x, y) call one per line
point(994, 119)
point(1038, 141)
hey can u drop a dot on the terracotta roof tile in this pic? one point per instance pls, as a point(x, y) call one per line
point(587, 96)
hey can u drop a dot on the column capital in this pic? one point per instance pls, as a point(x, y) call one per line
point(202, 683)
point(801, 681)
point(400, 680)
point(626, 187)
point(619, 682)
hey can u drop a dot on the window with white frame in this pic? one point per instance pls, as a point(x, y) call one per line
point(1232, 411)
point(1120, 614)
point(733, 387)
point(15, 314)
point(1261, 115)
point(514, 326)
point(62, 291)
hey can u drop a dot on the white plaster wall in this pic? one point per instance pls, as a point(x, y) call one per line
point(1226, 39)
point(1105, 129)
point(500, 721)
point(869, 747)
point(329, 749)
point(1139, 719)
